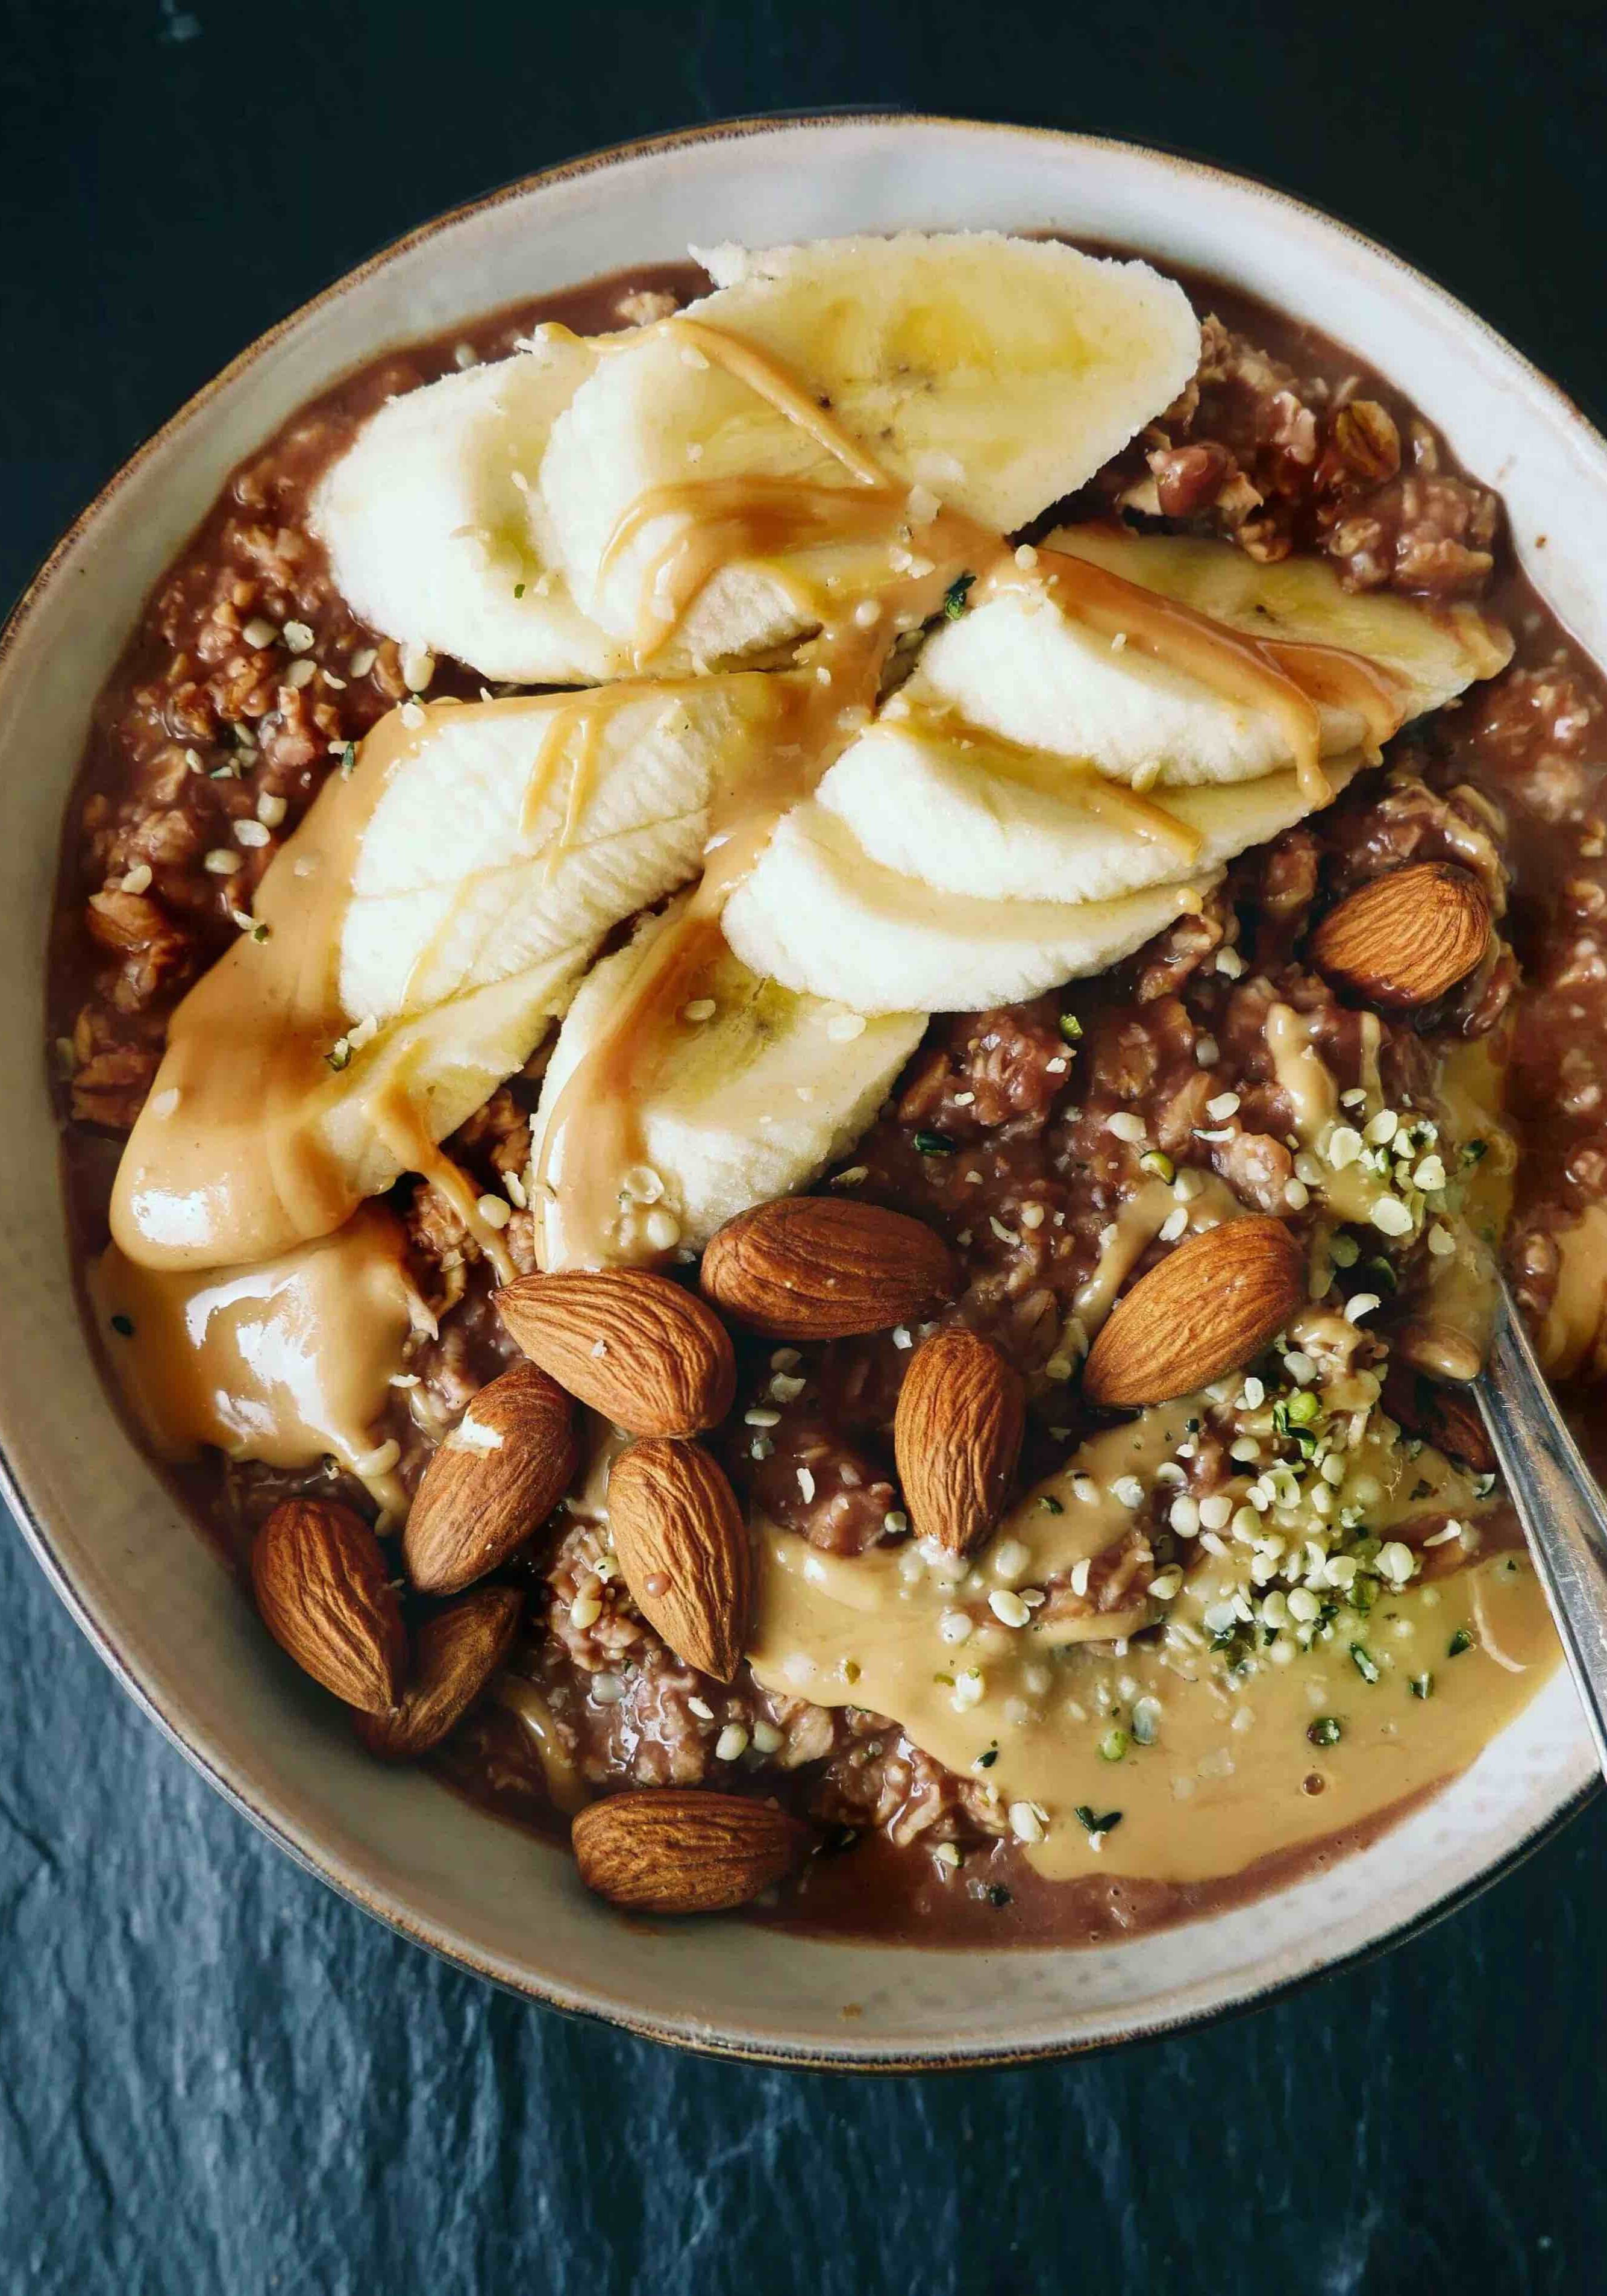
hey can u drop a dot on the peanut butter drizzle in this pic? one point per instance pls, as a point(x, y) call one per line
point(566, 1788)
point(1226, 1780)
point(733, 522)
point(1141, 814)
point(1210, 1202)
point(772, 381)
point(395, 1115)
point(1312, 1092)
point(1342, 680)
point(287, 1361)
point(1242, 670)
point(235, 1157)
point(1448, 1331)
point(229, 1144)
point(573, 729)
point(1572, 1339)
point(574, 737)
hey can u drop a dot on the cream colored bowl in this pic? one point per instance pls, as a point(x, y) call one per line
point(133, 1571)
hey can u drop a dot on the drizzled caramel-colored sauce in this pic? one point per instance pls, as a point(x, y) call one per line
point(739, 521)
point(394, 1112)
point(567, 1790)
point(1242, 670)
point(1141, 815)
point(1343, 681)
point(1226, 1779)
point(1448, 1333)
point(1572, 1340)
point(289, 1361)
point(573, 737)
point(1130, 1236)
point(234, 1157)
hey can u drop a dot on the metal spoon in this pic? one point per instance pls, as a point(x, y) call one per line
point(1558, 1503)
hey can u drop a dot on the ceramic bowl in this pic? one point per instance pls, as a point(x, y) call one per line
point(147, 1589)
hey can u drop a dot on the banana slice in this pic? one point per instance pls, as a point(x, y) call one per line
point(753, 1103)
point(979, 778)
point(436, 532)
point(996, 372)
point(1018, 666)
point(427, 922)
point(1435, 653)
point(508, 834)
point(968, 815)
point(818, 914)
point(1000, 372)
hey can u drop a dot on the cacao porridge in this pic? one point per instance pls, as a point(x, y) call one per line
point(792, 1113)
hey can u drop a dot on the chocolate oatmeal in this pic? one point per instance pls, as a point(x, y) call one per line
point(1062, 1146)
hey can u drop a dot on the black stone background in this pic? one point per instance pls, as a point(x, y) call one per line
point(215, 2076)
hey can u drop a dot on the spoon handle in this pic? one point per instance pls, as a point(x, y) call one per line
point(1558, 1503)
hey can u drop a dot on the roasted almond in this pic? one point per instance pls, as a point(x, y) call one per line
point(1207, 1307)
point(670, 1849)
point(644, 1351)
point(683, 1545)
point(456, 1654)
point(1405, 938)
point(495, 1480)
point(324, 1589)
point(958, 1436)
point(1445, 1416)
point(824, 1267)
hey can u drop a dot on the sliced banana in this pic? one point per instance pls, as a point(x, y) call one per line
point(1435, 653)
point(649, 420)
point(998, 769)
point(997, 374)
point(1018, 666)
point(510, 834)
point(818, 914)
point(752, 1100)
point(1001, 373)
point(968, 815)
point(488, 849)
point(438, 535)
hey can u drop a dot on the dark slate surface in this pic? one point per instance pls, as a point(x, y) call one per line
point(214, 2075)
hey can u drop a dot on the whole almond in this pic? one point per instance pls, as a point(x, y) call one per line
point(495, 1480)
point(324, 1589)
point(1405, 938)
point(683, 1545)
point(1447, 1416)
point(456, 1654)
point(824, 1267)
point(670, 1849)
point(1207, 1307)
point(642, 1350)
point(957, 1436)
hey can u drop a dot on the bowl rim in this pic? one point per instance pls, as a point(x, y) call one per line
point(102, 1638)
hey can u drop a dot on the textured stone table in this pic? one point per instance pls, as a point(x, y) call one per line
point(214, 2075)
